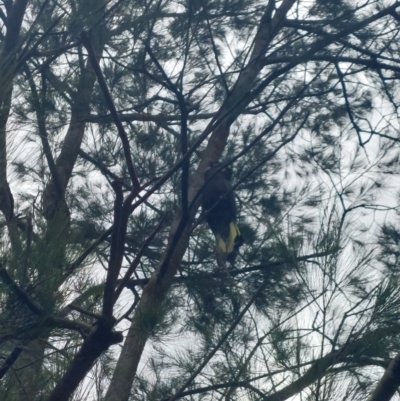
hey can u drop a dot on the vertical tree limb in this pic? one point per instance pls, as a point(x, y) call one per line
point(8, 57)
point(112, 272)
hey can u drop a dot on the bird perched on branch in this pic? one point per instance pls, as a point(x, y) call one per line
point(219, 207)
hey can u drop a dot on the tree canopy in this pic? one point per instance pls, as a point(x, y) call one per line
point(110, 113)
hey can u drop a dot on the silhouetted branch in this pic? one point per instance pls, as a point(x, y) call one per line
point(103, 85)
point(115, 260)
point(21, 294)
point(98, 341)
point(137, 259)
point(389, 383)
point(10, 361)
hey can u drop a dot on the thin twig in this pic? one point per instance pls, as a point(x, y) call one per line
point(220, 342)
point(103, 85)
point(84, 312)
point(136, 260)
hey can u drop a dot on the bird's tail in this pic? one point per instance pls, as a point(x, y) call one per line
point(232, 242)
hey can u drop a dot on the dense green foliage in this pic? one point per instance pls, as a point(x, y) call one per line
point(110, 111)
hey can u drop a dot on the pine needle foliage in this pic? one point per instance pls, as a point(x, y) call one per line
point(110, 113)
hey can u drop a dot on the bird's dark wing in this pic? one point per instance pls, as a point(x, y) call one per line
point(217, 192)
point(219, 206)
point(218, 200)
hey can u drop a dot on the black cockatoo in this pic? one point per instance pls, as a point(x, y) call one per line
point(219, 207)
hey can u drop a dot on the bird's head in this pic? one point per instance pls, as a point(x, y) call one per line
point(213, 167)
